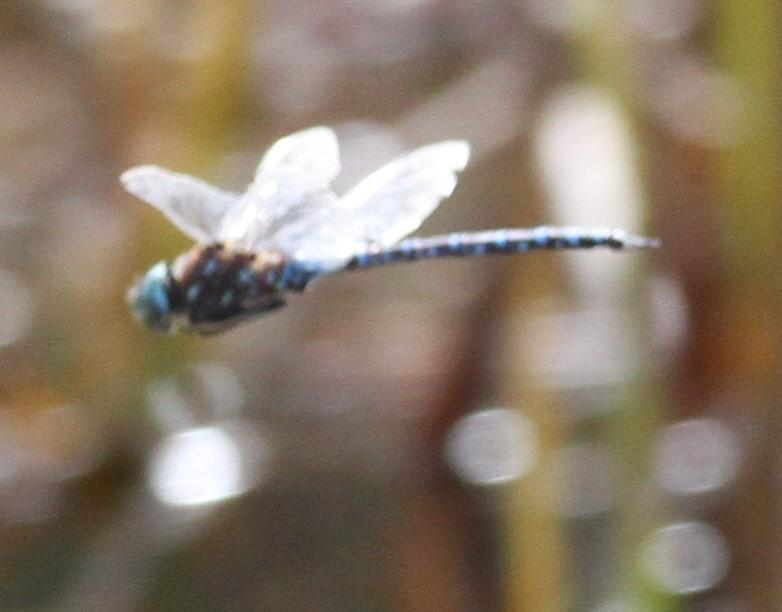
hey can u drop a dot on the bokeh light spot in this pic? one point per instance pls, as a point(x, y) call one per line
point(696, 456)
point(663, 19)
point(196, 467)
point(563, 16)
point(687, 557)
point(492, 446)
point(16, 312)
point(701, 104)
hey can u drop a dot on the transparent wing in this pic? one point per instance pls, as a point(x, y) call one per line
point(313, 152)
point(394, 200)
point(194, 206)
point(291, 181)
point(381, 210)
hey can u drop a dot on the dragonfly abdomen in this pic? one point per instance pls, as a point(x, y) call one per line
point(501, 242)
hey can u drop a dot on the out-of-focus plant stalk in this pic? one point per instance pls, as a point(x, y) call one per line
point(748, 339)
point(216, 79)
point(604, 52)
point(177, 107)
point(181, 110)
point(536, 576)
point(747, 46)
point(155, 103)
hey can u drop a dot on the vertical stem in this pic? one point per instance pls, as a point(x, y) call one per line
point(537, 572)
point(747, 345)
point(606, 53)
point(536, 569)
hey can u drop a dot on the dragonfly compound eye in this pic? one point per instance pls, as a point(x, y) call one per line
point(151, 298)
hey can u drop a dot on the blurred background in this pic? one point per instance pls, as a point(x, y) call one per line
point(587, 431)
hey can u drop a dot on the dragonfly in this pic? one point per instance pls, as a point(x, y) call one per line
point(290, 228)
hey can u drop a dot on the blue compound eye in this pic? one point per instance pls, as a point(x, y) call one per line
point(150, 298)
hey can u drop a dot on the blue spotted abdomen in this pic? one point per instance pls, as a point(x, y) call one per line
point(500, 242)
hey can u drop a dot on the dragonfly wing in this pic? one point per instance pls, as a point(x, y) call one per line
point(253, 229)
point(313, 152)
point(381, 210)
point(291, 181)
point(324, 241)
point(194, 206)
point(393, 201)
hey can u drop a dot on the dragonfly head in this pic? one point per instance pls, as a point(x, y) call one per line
point(153, 298)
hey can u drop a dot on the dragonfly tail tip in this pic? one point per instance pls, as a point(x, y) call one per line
point(644, 242)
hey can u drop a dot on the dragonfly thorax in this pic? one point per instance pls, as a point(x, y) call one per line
point(210, 288)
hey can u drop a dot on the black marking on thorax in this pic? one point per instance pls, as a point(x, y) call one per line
point(218, 284)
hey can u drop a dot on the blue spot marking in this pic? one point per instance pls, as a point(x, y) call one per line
point(227, 297)
point(501, 241)
point(297, 275)
point(572, 237)
point(193, 292)
point(292, 276)
point(246, 276)
point(210, 267)
point(454, 242)
point(541, 236)
point(285, 277)
point(480, 248)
